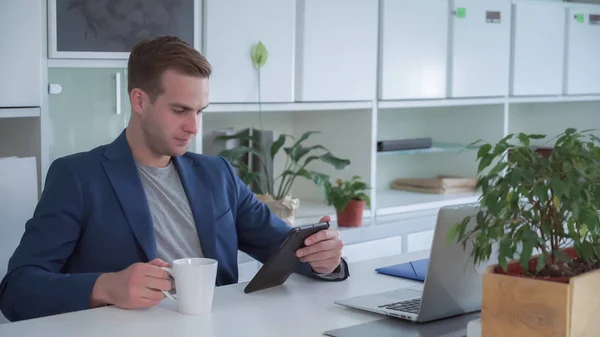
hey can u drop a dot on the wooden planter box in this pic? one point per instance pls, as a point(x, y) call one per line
point(515, 306)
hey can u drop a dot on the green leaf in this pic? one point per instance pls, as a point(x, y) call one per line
point(523, 139)
point(586, 250)
point(484, 150)
point(536, 136)
point(452, 234)
point(304, 137)
point(541, 193)
point(557, 185)
point(277, 145)
point(541, 263)
point(484, 162)
point(498, 168)
point(526, 253)
point(334, 161)
point(561, 256)
point(236, 153)
point(298, 151)
point(318, 178)
point(570, 131)
point(502, 262)
point(259, 55)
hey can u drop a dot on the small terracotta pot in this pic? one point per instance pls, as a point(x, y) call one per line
point(515, 269)
point(352, 215)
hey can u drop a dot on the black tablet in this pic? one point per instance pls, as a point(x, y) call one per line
point(284, 261)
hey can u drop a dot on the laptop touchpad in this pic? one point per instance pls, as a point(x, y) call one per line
point(404, 294)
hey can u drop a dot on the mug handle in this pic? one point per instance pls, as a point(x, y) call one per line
point(166, 293)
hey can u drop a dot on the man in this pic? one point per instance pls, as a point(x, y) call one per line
point(108, 219)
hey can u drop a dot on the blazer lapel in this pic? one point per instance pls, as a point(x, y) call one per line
point(126, 183)
point(197, 185)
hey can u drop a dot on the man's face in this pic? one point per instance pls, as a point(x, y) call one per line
point(171, 122)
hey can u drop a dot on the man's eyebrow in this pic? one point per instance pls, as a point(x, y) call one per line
point(185, 107)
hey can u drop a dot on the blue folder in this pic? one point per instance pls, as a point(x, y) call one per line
point(414, 270)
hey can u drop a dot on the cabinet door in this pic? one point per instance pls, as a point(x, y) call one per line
point(419, 241)
point(480, 48)
point(92, 109)
point(21, 53)
point(108, 29)
point(336, 50)
point(229, 37)
point(538, 49)
point(583, 51)
point(414, 49)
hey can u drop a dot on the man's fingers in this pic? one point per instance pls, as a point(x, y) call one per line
point(156, 272)
point(335, 245)
point(327, 234)
point(319, 256)
point(145, 302)
point(159, 284)
point(150, 294)
point(326, 218)
point(328, 263)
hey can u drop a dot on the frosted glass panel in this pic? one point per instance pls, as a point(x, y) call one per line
point(84, 115)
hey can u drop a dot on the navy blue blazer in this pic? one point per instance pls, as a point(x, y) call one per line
point(93, 218)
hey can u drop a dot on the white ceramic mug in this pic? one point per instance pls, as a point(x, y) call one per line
point(195, 284)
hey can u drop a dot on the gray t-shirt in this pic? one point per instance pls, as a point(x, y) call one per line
point(174, 225)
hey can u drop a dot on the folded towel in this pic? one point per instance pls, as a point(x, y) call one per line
point(437, 185)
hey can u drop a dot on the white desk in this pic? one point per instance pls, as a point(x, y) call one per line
point(301, 307)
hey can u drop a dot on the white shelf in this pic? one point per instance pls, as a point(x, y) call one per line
point(394, 202)
point(440, 103)
point(485, 101)
point(19, 112)
point(86, 63)
point(315, 106)
point(435, 148)
point(554, 99)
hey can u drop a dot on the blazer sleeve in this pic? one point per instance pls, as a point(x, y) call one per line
point(260, 232)
point(34, 285)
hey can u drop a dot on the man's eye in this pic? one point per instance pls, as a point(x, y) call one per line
point(179, 111)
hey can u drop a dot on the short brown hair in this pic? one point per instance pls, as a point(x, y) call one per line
point(149, 59)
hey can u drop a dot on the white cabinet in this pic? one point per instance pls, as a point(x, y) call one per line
point(92, 110)
point(414, 49)
point(229, 37)
point(374, 249)
point(419, 241)
point(21, 35)
point(336, 57)
point(539, 31)
point(583, 51)
point(480, 48)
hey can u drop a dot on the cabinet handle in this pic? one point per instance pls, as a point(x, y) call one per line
point(118, 92)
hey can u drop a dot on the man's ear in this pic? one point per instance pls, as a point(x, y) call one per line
point(139, 101)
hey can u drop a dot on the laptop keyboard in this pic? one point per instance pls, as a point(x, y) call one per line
point(411, 306)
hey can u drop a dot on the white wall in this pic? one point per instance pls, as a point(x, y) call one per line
point(347, 134)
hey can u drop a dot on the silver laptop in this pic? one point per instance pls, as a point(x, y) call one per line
point(452, 285)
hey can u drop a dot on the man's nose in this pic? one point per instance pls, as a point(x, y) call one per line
point(192, 124)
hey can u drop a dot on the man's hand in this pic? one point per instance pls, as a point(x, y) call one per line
point(138, 286)
point(323, 250)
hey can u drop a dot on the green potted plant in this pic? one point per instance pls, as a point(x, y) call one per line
point(540, 210)
point(349, 200)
